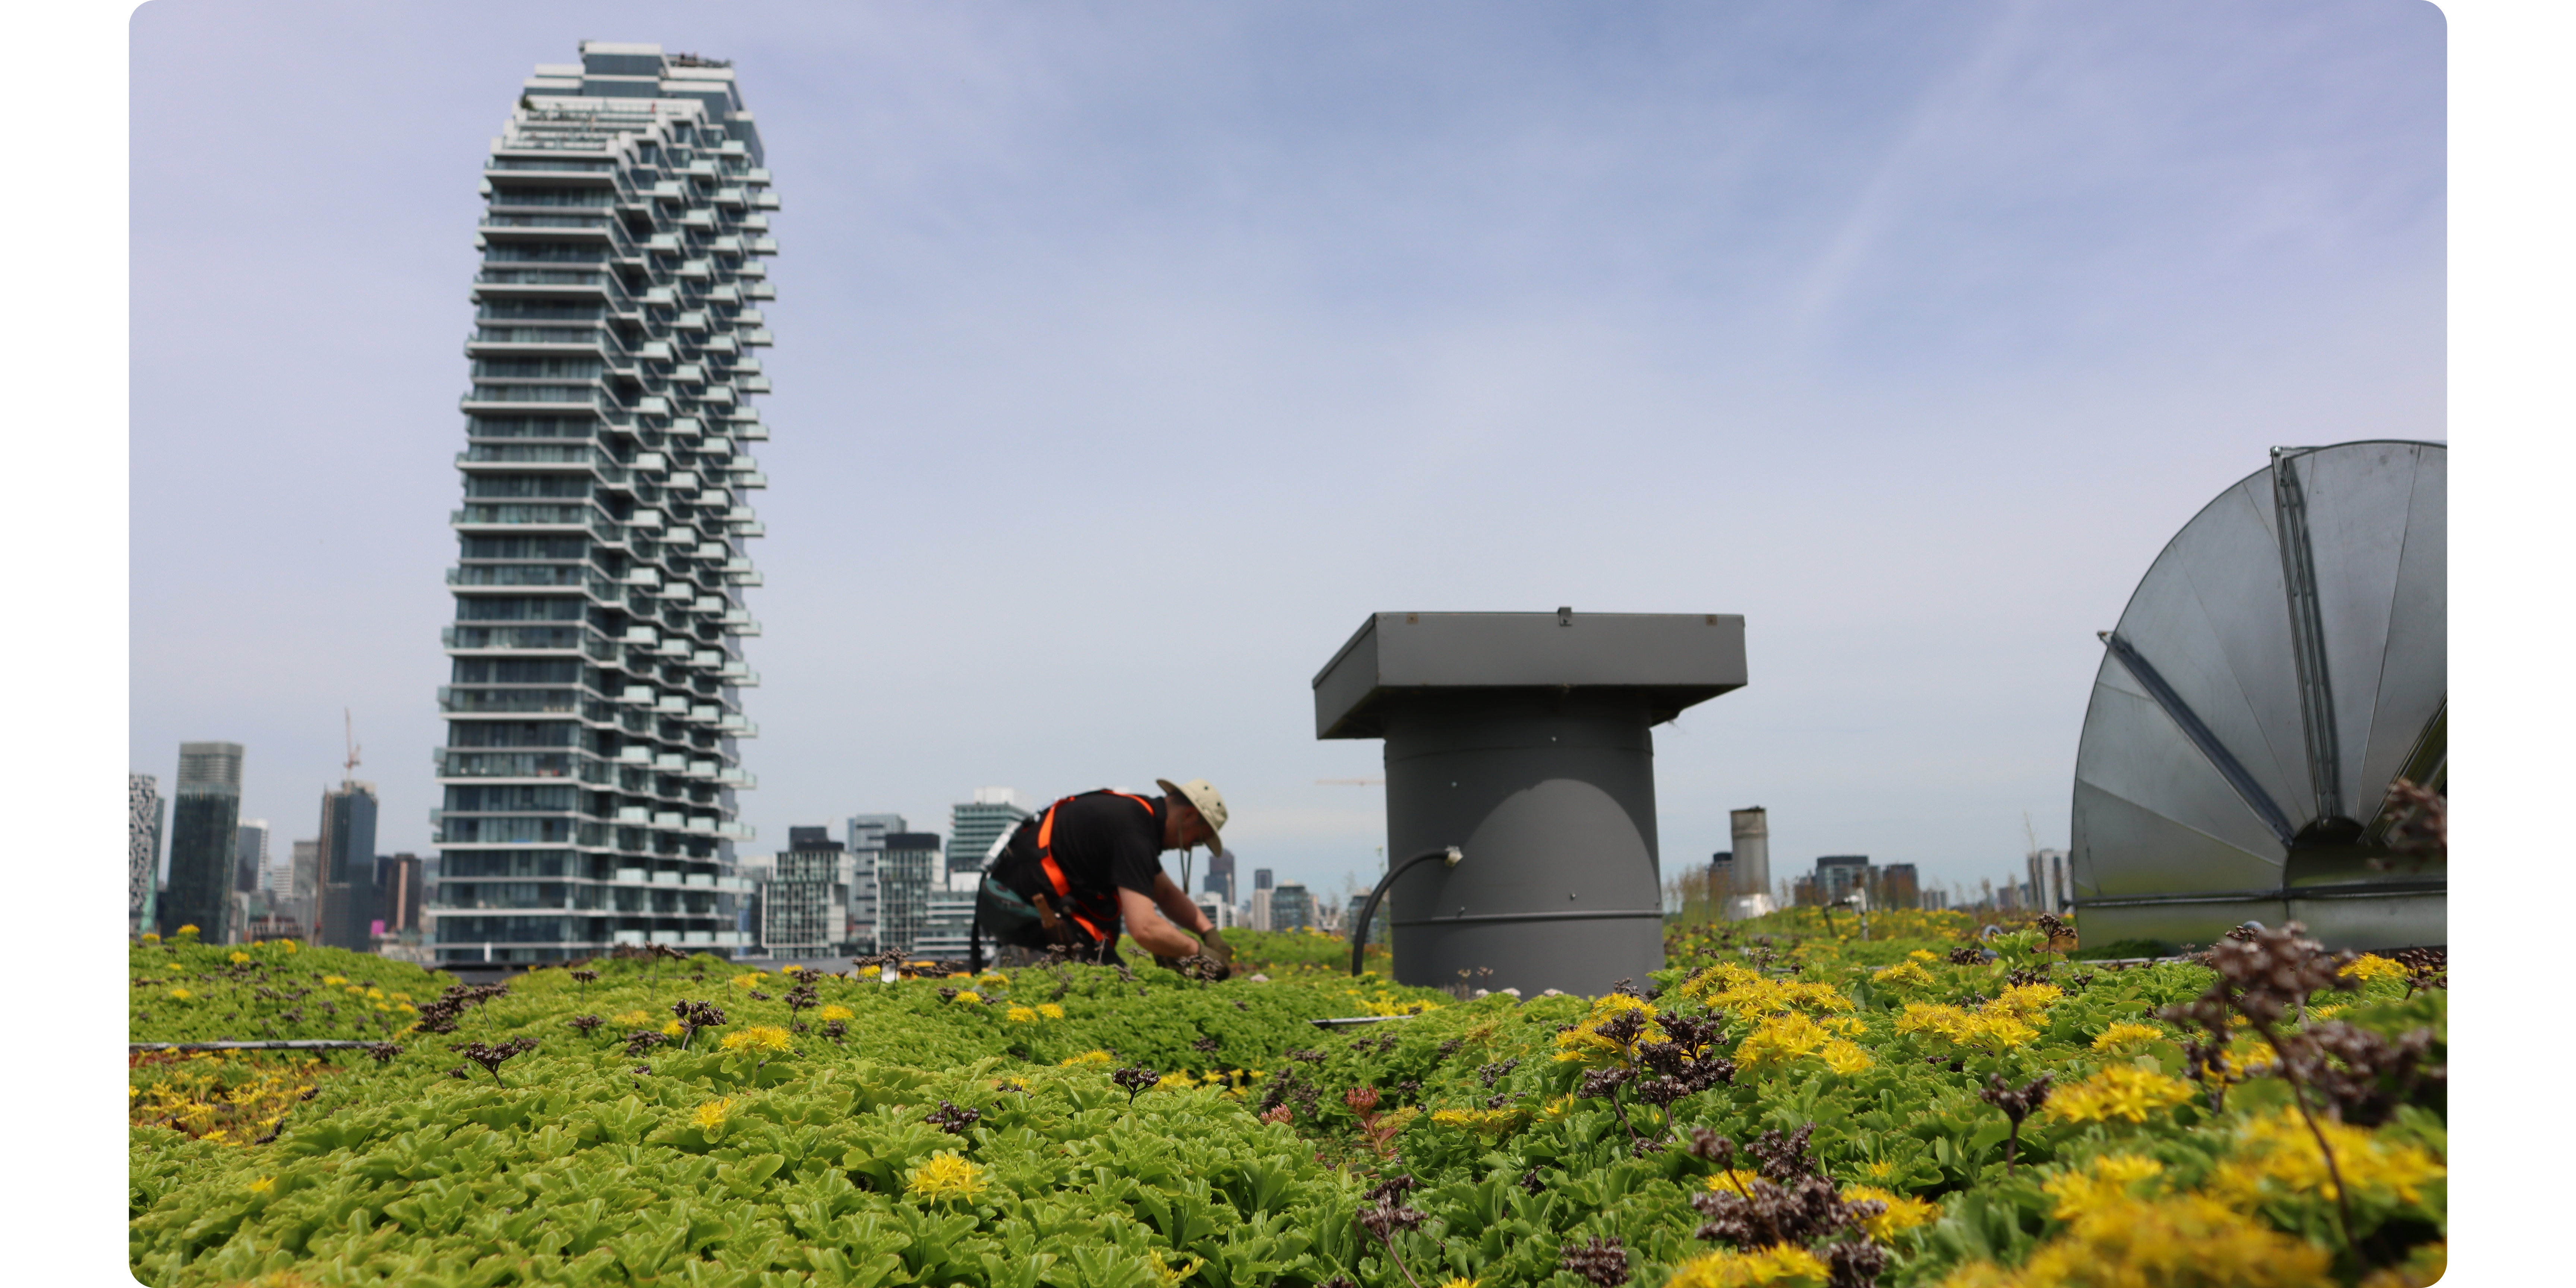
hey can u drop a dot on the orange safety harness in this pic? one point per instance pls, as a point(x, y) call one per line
point(1055, 871)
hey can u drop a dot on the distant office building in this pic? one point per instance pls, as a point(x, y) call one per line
point(904, 879)
point(1261, 878)
point(398, 892)
point(1256, 913)
point(1749, 865)
point(978, 827)
point(1291, 907)
point(1897, 887)
point(1935, 898)
point(1219, 912)
point(144, 814)
point(1838, 875)
point(250, 854)
point(203, 836)
point(867, 834)
point(2047, 881)
point(1803, 890)
point(752, 877)
point(346, 849)
point(1220, 876)
point(946, 924)
point(868, 831)
point(303, 884)
point(805, 903)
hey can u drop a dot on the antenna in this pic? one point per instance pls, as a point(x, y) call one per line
point(349, 733)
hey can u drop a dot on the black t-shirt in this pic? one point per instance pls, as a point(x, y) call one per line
point(1102, 840)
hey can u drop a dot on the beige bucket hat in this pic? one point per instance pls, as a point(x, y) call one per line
point(1203, 797)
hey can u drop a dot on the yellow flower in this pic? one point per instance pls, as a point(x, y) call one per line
point(188, 929)
point(354, 991)
point(1021, 1015)
point(2105, 1181)
point(1730, 1181)
point(1923, 955)
point(1728, 986)
point(759, 1037)
point(944, 1176)
point(1905, 974)
point(240, 957)
point(263, 1185)
point(789, 967)
point(2184, 1241)
point(1845, 1057)
point(1460, 1281)
point(376, 993)
point(286, 945)
point(967, 995)
point(836, 1012)
point(1904, 1211)
point(2276, 1152)
point(2121, 1091)
point(1488, 1122)
point(993, 977)
point(1175, 1082)
point(1087, 1057)
point(1784, 1264)
point(713, 1114)
point(671, 1028)
point(180, 994)
point(2027, 999)
point(2124, 1035)
point(335, 979)
point(1051, 1010)
point(1584, 1041)
point(750, 979)
point(151, 937)
point(1991, 1027)
point(1782, 1038)
point(2372, 966)
point(633, 1017)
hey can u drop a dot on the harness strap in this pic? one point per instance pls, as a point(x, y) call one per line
point(1055, 872)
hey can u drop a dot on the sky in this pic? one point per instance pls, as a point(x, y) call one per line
point(1129, 355)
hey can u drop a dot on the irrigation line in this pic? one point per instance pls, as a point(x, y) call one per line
point(291, 1044)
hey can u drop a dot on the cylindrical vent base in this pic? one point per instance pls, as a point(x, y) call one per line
point(1552, 797)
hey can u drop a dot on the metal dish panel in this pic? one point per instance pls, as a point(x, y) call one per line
point(2359, 496)
point(2232, 667)
point(2414, 673)
point(2133, 752)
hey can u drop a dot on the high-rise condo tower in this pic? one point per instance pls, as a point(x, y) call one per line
point(594, 712)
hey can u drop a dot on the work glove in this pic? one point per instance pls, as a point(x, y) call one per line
point(1213, 945)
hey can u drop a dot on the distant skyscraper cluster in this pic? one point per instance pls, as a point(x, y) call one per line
point(223, 877)
point(883, 887)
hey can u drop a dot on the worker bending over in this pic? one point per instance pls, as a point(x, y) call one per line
point(1089, 865)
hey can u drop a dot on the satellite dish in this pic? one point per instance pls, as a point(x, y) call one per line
point(2282, 663)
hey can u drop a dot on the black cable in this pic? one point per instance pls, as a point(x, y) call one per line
point(1360, 928)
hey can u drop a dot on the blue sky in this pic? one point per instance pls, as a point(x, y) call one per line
point(1130, 354)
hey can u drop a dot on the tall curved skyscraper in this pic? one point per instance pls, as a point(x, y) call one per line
point(594, 709)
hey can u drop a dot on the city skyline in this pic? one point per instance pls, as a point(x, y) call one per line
point(1989, 288)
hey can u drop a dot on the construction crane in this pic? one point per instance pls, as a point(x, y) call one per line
point(349, 734)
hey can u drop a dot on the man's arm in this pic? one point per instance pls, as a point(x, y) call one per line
point(1176, 905)
point(1151, 929)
